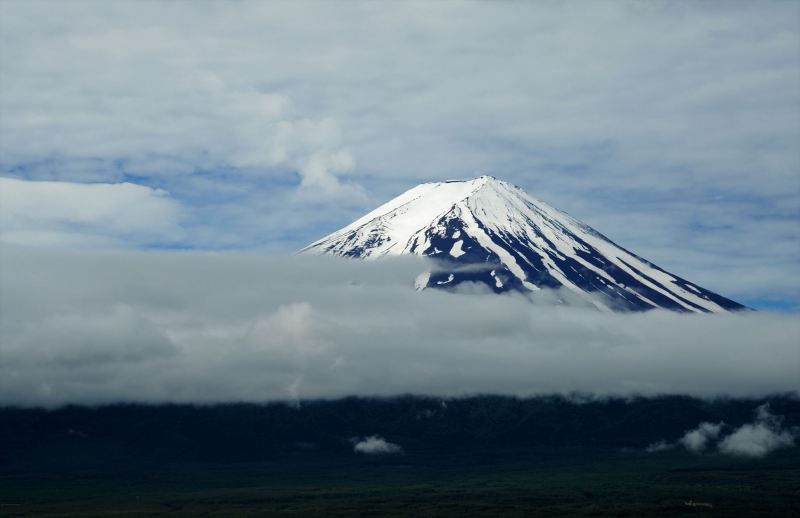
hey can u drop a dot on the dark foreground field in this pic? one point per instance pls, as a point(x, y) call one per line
point(483, 456)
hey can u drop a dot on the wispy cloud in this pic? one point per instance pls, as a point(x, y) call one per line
point(659, 446)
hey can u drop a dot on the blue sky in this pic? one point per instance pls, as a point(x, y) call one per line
point(673, 128)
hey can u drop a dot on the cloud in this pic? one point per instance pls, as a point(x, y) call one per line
point(697, 440)
point(374, 445)
point(752, 440)
point(759, 438)
point(94, 215)
point(109, 119)
point(94, 327)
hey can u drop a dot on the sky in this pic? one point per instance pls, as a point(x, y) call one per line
point(258, 127)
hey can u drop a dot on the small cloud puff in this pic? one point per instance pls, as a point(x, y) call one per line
point(757, 439)
point(753, 440)
point(375, 445)
point(696, 440)
point(659, 446)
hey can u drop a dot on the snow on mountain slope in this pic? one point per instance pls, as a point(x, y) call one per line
point(488, 231)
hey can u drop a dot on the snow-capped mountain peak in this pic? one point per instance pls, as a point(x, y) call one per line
point(519, 242)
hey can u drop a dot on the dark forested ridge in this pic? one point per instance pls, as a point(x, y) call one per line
point(418, 424)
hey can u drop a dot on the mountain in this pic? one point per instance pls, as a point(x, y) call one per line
point(488, 231)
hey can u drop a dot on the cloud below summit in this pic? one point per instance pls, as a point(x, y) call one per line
point(132, 326)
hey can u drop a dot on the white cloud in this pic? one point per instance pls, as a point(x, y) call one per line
point(98, 214)
point(145, 97)
point(249, 328)
point(758, 439)
point(697, 440)
point(752, 440)
point(375, 445)
point(755, 440)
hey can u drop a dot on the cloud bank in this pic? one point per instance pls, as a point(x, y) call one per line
point(94, 327)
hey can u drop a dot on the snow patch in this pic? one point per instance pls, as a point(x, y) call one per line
point(497, 282)
point(449, 279)
point(456, 250)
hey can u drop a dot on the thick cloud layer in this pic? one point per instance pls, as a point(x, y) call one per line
point(149, 326)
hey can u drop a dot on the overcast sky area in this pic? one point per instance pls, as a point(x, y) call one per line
point(672, 128)
point(95, 327)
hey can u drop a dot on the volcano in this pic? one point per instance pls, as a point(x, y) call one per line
point(490, 232)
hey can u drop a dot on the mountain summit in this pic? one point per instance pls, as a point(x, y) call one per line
point(488, 231)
